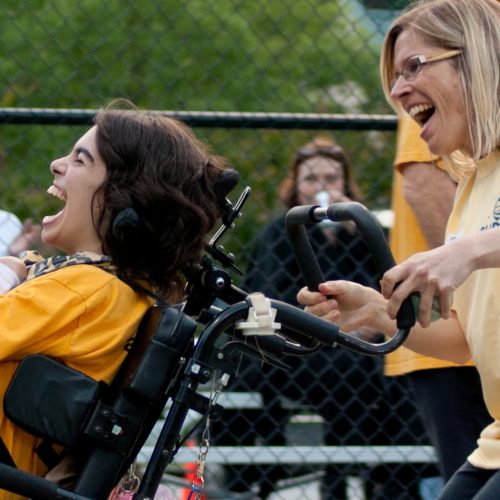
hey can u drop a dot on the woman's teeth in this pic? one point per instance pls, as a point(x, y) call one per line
point(415, 110)
point(421, 113)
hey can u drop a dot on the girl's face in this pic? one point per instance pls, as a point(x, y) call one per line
point(319, 173)
point(77, 177)
point(434, 98)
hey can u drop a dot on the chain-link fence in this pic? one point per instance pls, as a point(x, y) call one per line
point(223, 66)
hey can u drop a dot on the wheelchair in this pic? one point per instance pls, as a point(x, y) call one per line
point(178, 349)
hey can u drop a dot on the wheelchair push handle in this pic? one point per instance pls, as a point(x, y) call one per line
point(298, 217)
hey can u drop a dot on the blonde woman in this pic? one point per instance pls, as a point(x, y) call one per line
point(441, 63)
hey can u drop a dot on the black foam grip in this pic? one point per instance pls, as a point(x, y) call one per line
point(370, 230)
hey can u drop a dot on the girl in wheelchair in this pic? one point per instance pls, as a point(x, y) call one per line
point(139, 193)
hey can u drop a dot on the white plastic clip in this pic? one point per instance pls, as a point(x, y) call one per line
point(260, 320)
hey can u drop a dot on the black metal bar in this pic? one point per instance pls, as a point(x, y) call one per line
point(212, 119)
point(329, 333)
point(34, 487)
point(165, 446)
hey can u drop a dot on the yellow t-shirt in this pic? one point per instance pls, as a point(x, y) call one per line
point(477, 300)
point(81, 315)
point(405, 237)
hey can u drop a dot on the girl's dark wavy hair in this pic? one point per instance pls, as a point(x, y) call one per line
point(157, 167)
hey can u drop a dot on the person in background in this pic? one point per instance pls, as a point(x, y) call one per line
point(440, 62)
point(341, 386)
point(448, 396)
point(16, 237)
point(10, 229)
point(320, 173)
point(12, 272)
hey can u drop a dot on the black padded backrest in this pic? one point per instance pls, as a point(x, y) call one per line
point(140, 390)
point(163, 337)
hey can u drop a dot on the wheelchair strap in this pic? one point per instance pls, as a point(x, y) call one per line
point(44, 450)
point(47, 454)
point(5, 457)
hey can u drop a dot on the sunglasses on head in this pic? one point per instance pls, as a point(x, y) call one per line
point(334, 152)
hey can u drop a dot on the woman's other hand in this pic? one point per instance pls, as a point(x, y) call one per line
point(350, 305)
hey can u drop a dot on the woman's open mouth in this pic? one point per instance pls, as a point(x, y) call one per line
point(422, 113)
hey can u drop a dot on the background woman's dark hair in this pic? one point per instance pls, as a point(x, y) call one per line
point(327, 148)
point(157, 167)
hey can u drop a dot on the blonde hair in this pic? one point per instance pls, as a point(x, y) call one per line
point(473, 26)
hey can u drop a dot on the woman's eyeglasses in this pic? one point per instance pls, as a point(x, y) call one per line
point(412, 66)
point(334, 152)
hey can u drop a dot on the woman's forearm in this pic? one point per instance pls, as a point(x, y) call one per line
point(483, 248)
point(443, 339)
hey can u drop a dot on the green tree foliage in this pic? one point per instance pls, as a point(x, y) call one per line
point(196, 54)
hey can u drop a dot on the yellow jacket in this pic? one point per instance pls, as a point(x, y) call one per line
point(81, 315)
